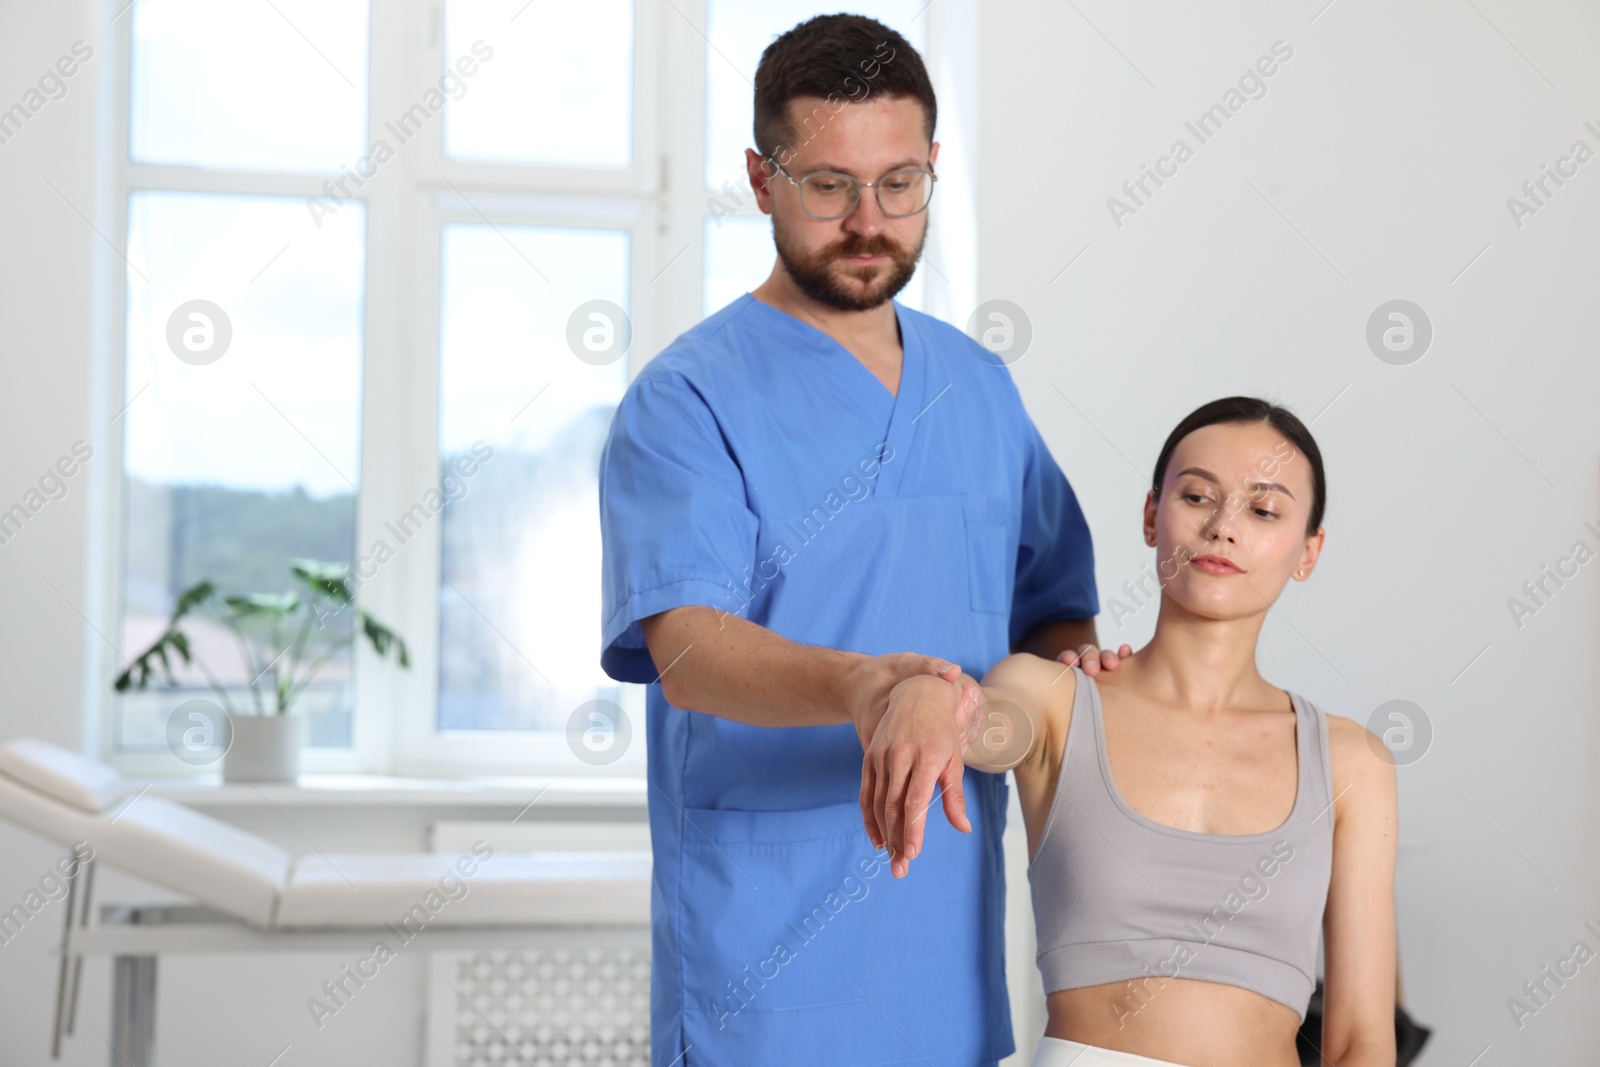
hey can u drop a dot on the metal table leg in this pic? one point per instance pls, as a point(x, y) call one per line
point(77, 960)
point(62, 1007)
point(133, 1011)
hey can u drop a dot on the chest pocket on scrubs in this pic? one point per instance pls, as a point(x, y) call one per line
point(990, 560)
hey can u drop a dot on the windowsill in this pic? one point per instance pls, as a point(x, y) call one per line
point(380, 791)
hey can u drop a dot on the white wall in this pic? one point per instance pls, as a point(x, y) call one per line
point(1390, 141)
point(47, 309)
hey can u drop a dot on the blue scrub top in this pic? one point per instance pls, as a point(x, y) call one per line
point(757, 467)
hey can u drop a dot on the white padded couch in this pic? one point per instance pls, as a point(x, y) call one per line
point(257, 896)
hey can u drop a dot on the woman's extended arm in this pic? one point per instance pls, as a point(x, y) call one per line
point(933, 728)
point(1358, 926)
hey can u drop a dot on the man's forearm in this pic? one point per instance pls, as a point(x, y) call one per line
point(730, 667)
point(1053, 638)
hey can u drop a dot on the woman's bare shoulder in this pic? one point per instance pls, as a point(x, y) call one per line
point(1362, 767)
point(1353, 747)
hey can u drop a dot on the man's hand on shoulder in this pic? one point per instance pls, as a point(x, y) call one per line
point(1093, 660)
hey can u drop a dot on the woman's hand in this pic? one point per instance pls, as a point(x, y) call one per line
point(918, 743)
point(1092, 659)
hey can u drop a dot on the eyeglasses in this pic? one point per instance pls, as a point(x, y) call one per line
point(828, 195)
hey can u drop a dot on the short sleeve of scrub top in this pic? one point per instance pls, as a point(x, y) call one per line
point(668, 480)
point(1055, 554)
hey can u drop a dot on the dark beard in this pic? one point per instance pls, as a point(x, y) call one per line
point(814, 276)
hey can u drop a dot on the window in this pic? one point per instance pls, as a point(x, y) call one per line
point(243, 331)
point(581, 98)
point(434, 240)
point(242, 87)
point(249, 455)
point(519, 609)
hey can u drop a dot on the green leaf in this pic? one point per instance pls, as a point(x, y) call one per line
point(383, 638)
point(258, 604)
point(171, 637)
point(331, 580)
point(190, 598)
point(157, 652)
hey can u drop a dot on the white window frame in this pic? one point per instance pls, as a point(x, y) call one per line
point(396, 713)
point(660, 200)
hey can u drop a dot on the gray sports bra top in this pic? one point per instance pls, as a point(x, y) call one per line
point(1117, 896)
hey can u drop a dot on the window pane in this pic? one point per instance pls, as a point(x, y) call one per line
point(740, 255)
point(234, 466)
point(738, 32)
point(279, 86)
point(556, 86)
point(520, 602)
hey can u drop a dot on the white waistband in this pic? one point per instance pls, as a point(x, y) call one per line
point(1056, 1052)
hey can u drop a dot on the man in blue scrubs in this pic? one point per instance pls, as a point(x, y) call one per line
point(807, 498)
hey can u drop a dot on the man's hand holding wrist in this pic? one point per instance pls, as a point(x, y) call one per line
point(873, 678)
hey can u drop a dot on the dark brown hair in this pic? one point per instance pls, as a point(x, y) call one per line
point(1249, 409)
point(842, 59)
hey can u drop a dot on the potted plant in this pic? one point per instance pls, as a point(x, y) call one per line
point(265, 746)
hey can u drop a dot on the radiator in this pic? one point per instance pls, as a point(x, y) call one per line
point(549, 1007)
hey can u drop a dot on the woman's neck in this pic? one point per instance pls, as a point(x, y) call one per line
point(1199, 663)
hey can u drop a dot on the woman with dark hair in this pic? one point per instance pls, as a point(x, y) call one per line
point(1191, 826)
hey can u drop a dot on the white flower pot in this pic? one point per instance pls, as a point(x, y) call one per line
point(265, 748)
